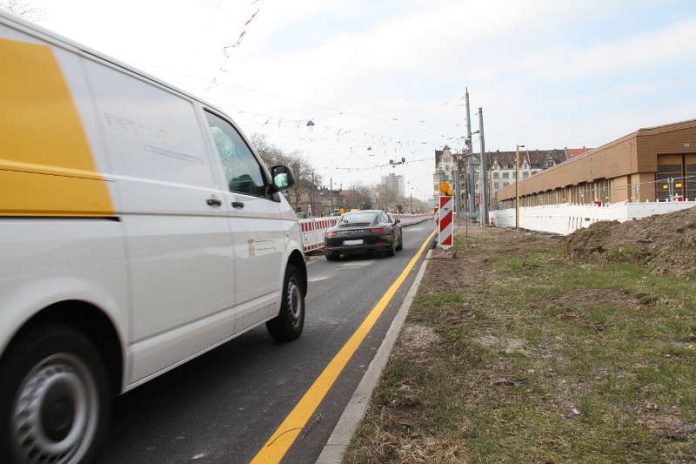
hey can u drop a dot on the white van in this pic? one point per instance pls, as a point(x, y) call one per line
point(138, 230)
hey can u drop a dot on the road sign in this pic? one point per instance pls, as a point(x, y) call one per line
point(445, 215)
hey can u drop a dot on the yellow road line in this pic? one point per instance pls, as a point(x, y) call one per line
point(283, 438)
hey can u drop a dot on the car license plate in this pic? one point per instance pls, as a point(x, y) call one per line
point(352, 242)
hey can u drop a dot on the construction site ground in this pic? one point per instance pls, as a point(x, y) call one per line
point(528, 348)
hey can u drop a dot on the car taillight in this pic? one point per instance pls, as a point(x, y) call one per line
point(330, 234)
point(378, 231)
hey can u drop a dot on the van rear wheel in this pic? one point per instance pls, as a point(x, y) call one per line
point(55, 400)
point(288, 324)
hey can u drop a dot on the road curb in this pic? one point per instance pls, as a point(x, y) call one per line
point(343, 432)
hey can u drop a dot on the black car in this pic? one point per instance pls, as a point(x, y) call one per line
point(361, 231)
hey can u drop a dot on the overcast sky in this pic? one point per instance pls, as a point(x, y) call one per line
point(384, 79)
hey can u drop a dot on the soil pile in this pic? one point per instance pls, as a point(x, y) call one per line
point(664, 243)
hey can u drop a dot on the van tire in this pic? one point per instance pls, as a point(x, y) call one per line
point(287, 326)
point(60, 367)
point(332, 256)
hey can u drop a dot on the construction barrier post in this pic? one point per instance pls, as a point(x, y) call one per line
point(445, 214)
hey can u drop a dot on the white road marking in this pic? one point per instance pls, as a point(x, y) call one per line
point(356, 264)
point(318, 279)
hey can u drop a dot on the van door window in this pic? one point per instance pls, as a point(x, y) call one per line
point(242, 171)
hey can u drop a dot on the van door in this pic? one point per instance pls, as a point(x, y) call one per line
point(177, 233)
point(259, 245)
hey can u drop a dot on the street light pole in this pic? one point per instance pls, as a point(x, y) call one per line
point(517, 186)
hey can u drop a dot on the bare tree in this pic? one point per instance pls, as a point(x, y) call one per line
point(307, 181)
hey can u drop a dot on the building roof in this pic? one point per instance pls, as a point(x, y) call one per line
point(440, 153)
point(675, 126)
point(536, 159)
point(573, 152)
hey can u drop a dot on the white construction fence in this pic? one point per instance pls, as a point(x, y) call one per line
point(566, 218)
point(313, 229)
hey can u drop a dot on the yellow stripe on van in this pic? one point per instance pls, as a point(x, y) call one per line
point(46, 166)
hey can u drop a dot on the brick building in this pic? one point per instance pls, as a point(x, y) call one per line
point(657, 163)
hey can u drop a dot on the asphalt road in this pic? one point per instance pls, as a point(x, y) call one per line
point(223, 406)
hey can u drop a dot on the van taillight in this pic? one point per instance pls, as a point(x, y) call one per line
point(330, 234)
point(378, 231)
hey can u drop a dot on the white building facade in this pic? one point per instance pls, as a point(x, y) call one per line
point(395, 183)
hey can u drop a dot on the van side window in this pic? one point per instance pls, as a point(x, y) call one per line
point(242, 172)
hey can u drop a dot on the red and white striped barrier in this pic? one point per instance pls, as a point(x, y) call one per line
point(444, 226)
point(313, 231)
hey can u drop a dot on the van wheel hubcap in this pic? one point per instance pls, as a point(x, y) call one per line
point(56, 411)
point(294, 301)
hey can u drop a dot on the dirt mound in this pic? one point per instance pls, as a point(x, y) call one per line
point(665, 243)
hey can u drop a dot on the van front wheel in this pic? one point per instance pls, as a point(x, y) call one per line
point(288, 324)
point(55, 398)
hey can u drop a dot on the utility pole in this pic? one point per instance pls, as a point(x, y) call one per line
point(517, 186)
point(331, 194)
point(484, 172)
point(312, 204)
point(457, 191)
point(470, 187)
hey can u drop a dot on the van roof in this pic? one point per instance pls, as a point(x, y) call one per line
point(61, 41)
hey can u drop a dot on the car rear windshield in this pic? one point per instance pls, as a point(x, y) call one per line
point(358, 218)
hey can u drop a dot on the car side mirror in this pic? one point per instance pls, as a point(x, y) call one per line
point(282, 177)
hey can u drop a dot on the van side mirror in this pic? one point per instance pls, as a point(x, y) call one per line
point(397, 220)
point(282, 177)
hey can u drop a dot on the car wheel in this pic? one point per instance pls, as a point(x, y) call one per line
point(392, 247)
point(400, 246)
point(55, 398)
point(288, 324)
point(332, 256)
